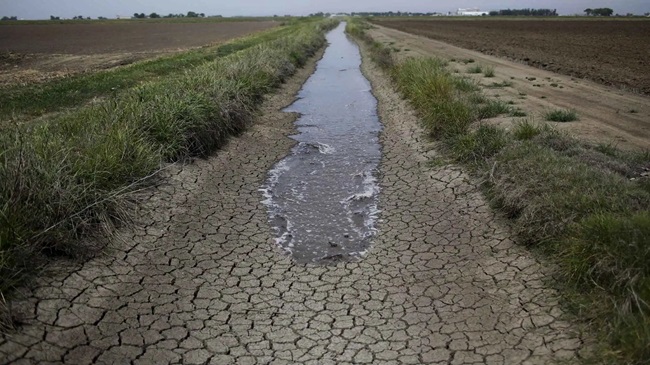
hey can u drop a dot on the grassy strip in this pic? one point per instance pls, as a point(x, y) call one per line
point(586, 207)
point(67, 175)
point(37, 99)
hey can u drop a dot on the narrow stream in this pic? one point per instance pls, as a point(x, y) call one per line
point(322, 197)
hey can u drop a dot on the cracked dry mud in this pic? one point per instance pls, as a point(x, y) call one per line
point(199, 281)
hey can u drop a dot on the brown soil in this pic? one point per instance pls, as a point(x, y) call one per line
point(33, 53)
point(606, 114)
point(608, 52)
point(84, 39)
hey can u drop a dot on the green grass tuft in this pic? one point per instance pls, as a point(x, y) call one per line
point(477, 146)
point(525, 130)
point(476, 69)
point(488, 71)
point(493, 108)
point(430, 87)
point(561, 115)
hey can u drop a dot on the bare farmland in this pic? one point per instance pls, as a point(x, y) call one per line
point(608, 52)
point(37, 52)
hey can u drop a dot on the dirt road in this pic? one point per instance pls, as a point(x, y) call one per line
point(607, 115)
point(200, 281)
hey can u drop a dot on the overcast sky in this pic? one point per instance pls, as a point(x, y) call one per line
point(41, 9)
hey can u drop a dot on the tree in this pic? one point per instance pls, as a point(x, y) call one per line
point(154, 16)
point(139, 16)
point(52, 17)
point(603, 12)
point(589, 11)
point(191, 14)
point(525, 12)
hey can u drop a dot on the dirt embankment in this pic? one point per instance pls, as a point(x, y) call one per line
point(608, 52)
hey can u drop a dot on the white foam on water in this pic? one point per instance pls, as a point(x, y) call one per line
point(371, 211)
point(285, 241)
point(325, 148)
point(272, 180)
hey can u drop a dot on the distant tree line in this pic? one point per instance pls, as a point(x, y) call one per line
point(524, 12)
point(190, 14)
point(390, 13)
point(599, 12)
point(385, 13)
point(78, 17)
point(9, 18)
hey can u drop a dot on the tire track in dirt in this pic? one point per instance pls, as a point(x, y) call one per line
point(199, 280)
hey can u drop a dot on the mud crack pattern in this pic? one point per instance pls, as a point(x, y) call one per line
point(200, 281)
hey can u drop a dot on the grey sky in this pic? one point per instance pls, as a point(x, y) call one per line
point(40, 9)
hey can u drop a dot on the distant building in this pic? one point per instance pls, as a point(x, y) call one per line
point(471, 12)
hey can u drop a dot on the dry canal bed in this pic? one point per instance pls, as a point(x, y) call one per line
point(199, 279)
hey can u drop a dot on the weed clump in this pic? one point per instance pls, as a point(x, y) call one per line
point(476, 69)
point(561, 115)
point(493, 108)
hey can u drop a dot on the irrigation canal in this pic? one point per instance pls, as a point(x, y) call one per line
point(322, 197)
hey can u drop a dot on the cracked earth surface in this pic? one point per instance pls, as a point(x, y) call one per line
point(199, 281)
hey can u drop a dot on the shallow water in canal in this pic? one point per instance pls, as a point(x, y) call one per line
point(322, 197)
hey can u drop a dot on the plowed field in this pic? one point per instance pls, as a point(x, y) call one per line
point(88, 38)
point(33, 53)
point(609, 52)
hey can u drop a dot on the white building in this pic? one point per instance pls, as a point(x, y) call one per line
point(471, 12)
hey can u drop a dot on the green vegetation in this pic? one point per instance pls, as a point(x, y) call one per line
point(34, 100)
point(488, 71)
point(524, 12)
point(476, 69)
point(599, 11)
point(561, 115)
point(492, 108)
point(67, 175)
point(586, 207)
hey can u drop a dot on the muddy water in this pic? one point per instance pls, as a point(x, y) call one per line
point(322, 197)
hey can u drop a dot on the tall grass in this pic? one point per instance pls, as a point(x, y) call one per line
point(67, 175)
point(586, 207)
